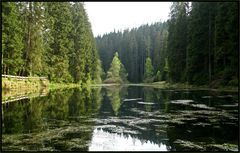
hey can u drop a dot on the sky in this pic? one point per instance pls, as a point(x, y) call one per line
point(107, 16)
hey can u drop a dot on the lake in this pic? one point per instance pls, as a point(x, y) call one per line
point(122, 118)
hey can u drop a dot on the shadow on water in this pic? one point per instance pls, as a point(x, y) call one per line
point(122, 118)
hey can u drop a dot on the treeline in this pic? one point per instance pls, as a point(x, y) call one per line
point(133, 47)
point(203, 43)
point(51, 39)
point(197, 45)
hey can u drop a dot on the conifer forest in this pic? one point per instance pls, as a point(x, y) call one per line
point(166, 86)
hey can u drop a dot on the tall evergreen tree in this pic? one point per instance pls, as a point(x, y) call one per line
point(32, 22)
point(177, 41)
point(12, 39)
point(60, 27)
point(116, 72)
point(148, 75)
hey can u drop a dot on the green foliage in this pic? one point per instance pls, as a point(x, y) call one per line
point(115, 67)
point(117, 72)
point(197, 45)
point(99, 73)
point(60, 26)
point(123, 73)
point(158, 76)
point(177, 40)
point(165, 75)
point(115, 94)
point(12, 39)
point(134, 46)
point(148, 75)
point(212, 43)
point(51, 39)
point(32, 19)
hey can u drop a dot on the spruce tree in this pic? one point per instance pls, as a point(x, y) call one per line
point(148, 70)
point(116, 72)
point(60, 26)
point(12, 39)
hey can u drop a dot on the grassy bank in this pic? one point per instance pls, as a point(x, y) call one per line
point(32, 84)
point(163, 85)
point(14, 87)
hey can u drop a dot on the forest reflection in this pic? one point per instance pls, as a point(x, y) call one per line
point(140, 118)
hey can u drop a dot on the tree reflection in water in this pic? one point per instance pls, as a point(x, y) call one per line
point(121, 118)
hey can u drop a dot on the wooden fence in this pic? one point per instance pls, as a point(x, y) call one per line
point(23, 77)
point(20, 98)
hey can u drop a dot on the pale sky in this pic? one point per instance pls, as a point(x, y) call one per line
point(107, 16)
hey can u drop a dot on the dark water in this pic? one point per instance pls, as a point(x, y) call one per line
point(122, 118)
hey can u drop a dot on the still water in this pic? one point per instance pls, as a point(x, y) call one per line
point(121, 118)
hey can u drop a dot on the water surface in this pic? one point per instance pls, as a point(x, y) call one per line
point(119, 118)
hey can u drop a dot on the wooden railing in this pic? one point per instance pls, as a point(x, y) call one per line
point(20, 97)
point(23, 77)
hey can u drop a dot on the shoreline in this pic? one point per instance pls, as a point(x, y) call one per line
point(182, 86)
